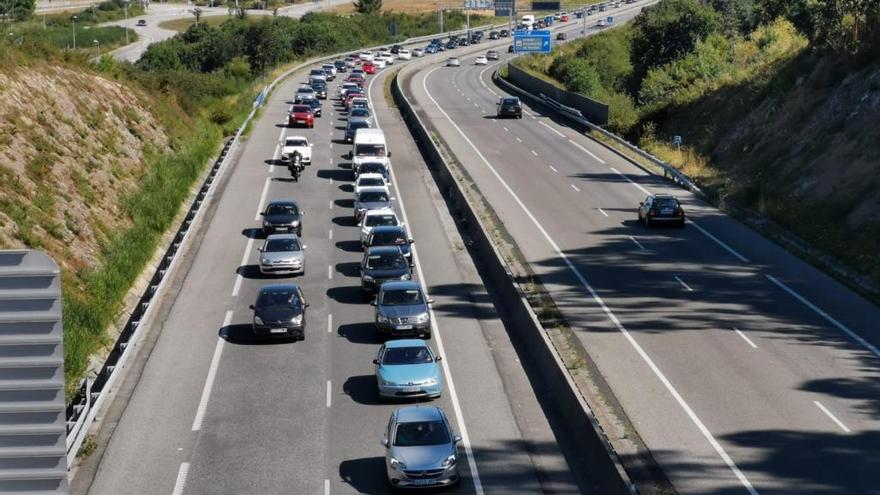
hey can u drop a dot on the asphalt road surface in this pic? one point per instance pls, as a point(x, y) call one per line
point(744, 369)
point(216, 412)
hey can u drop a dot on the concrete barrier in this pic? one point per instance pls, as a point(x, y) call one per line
point(594, 111)
point(592, 451)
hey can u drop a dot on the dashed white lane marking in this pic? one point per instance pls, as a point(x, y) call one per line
point(587, 152)
point(331, 204)
point(329, 323)
point(244, 257)
point(518, 139)
point(505, 128)
point(551, 128)
point(263, 198)
point(602, 211)
point(180, 483)
point(843, 328)
point(686, 286)
point(833, 418)
point(330, 234)
point(553, 168)
point(575, 187)
point(534, 152)
point(639, 244)
point(329, 272)
point(209, 381)
point(329, 393)
point(326, 487)
point(748, 340)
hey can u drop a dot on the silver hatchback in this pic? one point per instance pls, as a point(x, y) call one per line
point(422, 450)
point(282, 254)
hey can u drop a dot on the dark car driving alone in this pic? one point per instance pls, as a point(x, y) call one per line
point(280, 311)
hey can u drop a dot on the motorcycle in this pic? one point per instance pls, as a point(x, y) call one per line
point(295, 166)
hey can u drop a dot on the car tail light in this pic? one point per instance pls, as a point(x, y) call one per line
point(679, 212)
point(652, 212)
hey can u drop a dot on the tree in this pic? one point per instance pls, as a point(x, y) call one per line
point(17, 10)
point(368, 6)
point(670, 29)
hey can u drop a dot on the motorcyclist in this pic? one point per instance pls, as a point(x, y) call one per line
point(295, 165)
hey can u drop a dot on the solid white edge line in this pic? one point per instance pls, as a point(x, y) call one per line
point(587, 152)
point(244, 257)
point(534, 152)
point(598, 299)
point(262, 198)
point(326, 487)
point(551, 128)
point(329, 393)
point(686, 286)
point(180, 482)
point(447, 372)
point(748, 340)
point(843, 328)
point(634, 183)
point(833, 418)
point(209, 380)
point(639, 244)
point(518, 139)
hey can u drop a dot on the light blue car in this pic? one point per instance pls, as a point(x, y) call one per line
point(408, 368)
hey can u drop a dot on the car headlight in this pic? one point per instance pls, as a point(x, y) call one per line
point(297, 320)
point(258, 320)
point(265, 261)
point(430, 382)
point(382, 319)
point(449, 462)
point(405, 276)
point(398, 465)
point(368, 278)
point(386, 383)
point(422, 318)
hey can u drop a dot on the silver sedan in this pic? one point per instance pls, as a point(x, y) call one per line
point(282, 254)
point(453, 62)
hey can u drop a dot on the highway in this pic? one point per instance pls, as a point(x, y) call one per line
point(215, 412)
point(743, 368)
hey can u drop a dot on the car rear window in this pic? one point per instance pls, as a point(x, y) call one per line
point(359, 112)
point(297, 142)
point(372, 196)
point(421, 433)
point(371, 181)
point(301, 108)
point(377, 220)
point(388, 238)
point(665, 202)
point(386, 261)
point(407, 355)
point(282, 245)
point(268, 298)
point(510, 101)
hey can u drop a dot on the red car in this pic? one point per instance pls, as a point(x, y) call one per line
point(564, 18)
point(369, 68)
point(301, 115)
point(357, 80)
point(350, 96)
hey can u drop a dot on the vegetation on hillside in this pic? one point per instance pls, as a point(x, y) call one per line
point(775, 99)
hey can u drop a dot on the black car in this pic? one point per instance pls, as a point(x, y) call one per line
point(391, 235)
point(510, 49)
point(395, 49)
point(282, 216)
point(451, 45)
point(340, 66)
point(352, 127)
point(661, 208)
point(504, 33)
point(280, 311)
point(142, 22)
point(509, 107)
point(561, 37)
point(320, 88)
point(314, 103)
point(382, 264)
point(493, 35)
point(463, 42)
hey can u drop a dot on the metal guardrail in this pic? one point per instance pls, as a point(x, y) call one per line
point(669, 171)
point(92, 394)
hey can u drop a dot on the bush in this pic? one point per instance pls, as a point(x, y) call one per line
point(669, 30)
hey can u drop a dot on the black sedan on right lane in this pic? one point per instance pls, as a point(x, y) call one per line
point(383, 264)
point(509, 107)
point(661, 208)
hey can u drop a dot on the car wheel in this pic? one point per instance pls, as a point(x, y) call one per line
point(427, 335)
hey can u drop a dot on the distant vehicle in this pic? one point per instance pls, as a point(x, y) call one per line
point(492, 55)
point(451, 45)
point(318, 73)
point(602, 7)
point(350, 96)
point(563, 18)
point(282, 254)
point(418, 52)
point(431, 49)
point(383, 264)
point(345, 88)
point(527, 21)
point(373, 168)
point(661, 208)
point(330, 69)
point(366, 56)
point(561, 37)
point(376, 218)
point(378, 63)
point(510, 49)
point(282, 216)
point(503, 33)
point(453, 62)
point(404, 54)
point(509, 107)
point(350, 62)
point(395, 49)
point(141, 22)
point(420, 440)
point(304, 92)
point(356, 114)
point(407, 368)
point(352, 127)
point(340, 66)
point(358, 102)
point(463, 42)
point(280, 311)
point(493, 35)
point(301, 115)
point(601, 23)
point(391, 236)
point(296, 144)
point(320, 88)
point(369, 68)
point(315, 105)
point(371, 198)
point(481, 60)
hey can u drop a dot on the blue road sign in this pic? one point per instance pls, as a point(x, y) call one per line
point(531, 41)
point(676, 140)
point(610, 19)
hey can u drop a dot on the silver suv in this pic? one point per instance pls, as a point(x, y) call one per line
point(422, 448)
point(402, 310)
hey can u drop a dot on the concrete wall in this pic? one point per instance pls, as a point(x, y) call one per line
point(594, 111)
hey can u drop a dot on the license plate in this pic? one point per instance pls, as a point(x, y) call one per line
point(411, 389)
point(666, 211)
point(424, 482)
point(300, 121)
point(278, 330)
point(404, 327)
point(280, 228)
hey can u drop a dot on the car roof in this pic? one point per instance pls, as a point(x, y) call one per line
point(400, 285)
point(374, 189)
point(272, 237)
point(296, 137)
point(279, 287)
point(418, 413)
point(380, 211)
point(282, 202)
point(391, 344)
point(387, 228)
point(664, 196)
point(371, 176)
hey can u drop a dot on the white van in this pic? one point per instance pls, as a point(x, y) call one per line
point(369, 146)
point(527, 21)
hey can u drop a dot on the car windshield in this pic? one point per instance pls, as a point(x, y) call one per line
point(421, 433)
point(386, 261)
point(387, 238)
point(665, 203)
point(319, 85)
point(402, 297)
point(407, 355)
point(379, 220)
point(371, 181)
point(281, 245)
point(358, 124)
point(373, 168)
point(372, 196)
point(301, 108)
point(269, 298)
point(510, 101)
point(370, 150)
point(277, 209)
point(359, 112)
point(296, 142)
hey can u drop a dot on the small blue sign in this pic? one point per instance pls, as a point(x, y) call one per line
point(610, 19)
point(537, 41)
point(676, 140)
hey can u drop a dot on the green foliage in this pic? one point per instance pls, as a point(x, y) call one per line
point(368, 6)
point(577, 74)
point(670, 29)
point(17, 10)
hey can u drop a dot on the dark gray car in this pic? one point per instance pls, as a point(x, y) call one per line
point(280, 311)
point(383, 264)
point(282, 216)
point(402, 310)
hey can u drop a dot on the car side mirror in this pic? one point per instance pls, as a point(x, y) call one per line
point(262, 214)
point(456, 439)
point(260, 249)
point(252, 307)
point(374, 303)
point(306, 305)
point(375, 361)
point(411, 241)
point(430, 301)
point(384, 442)
point(389, 154)
point(641, 203)
point(438, 358)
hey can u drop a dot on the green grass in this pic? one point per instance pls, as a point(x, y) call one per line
point(181, 25)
